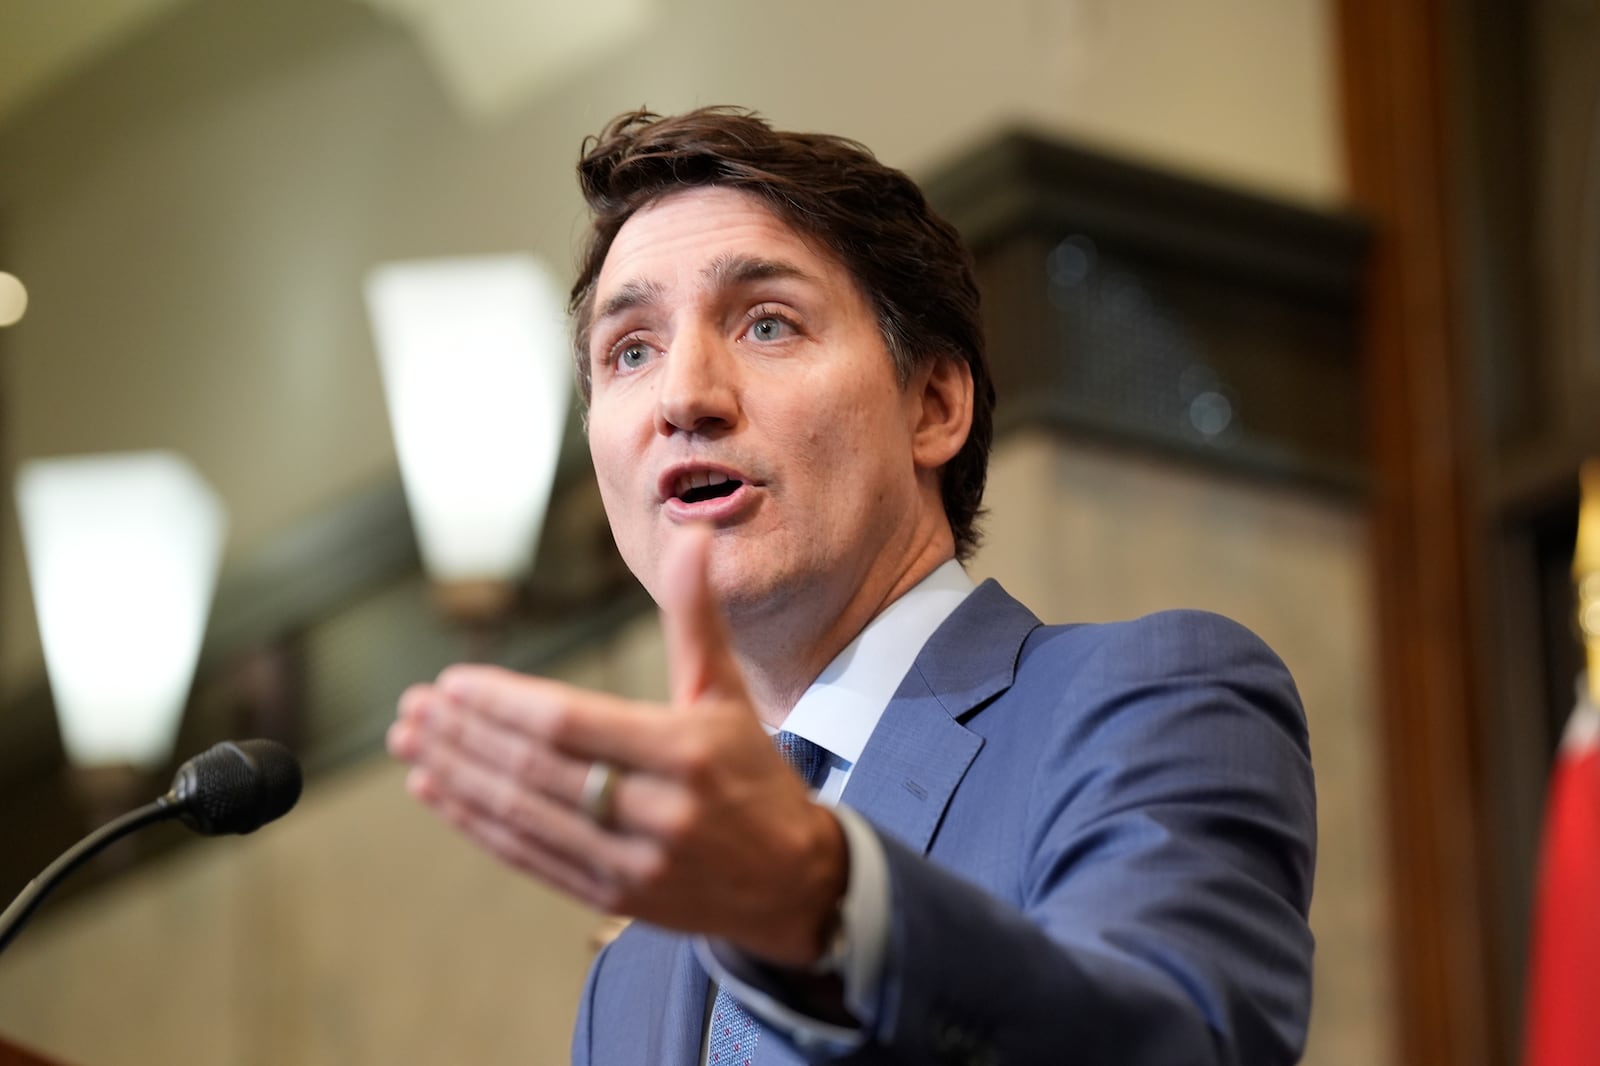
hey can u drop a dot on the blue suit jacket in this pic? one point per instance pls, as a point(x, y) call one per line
point(1100, 842)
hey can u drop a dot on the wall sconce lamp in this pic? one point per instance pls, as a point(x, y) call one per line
point(122, 553)
point(477, 371)
point(13, 299)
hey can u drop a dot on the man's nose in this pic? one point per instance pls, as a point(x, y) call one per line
point(698, 390)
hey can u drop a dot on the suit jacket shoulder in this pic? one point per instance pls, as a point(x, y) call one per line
point(1127, 848)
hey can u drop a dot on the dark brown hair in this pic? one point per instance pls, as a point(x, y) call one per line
point(909, 262)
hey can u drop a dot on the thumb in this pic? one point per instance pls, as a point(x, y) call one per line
point(699, 655)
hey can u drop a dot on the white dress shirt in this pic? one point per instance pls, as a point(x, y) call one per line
point(838, 712)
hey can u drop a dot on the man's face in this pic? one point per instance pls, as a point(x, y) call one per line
point(740, 379)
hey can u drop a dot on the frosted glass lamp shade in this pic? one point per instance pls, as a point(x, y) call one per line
point(477, 371)
point(122, 552)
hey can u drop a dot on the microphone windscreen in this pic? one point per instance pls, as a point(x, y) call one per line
point(238, 786)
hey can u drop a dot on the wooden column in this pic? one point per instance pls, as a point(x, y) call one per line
point(1424, 543)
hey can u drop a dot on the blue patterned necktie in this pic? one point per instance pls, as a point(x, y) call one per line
point(733, 1031)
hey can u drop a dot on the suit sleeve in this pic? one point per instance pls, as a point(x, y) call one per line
point(582, 1030)
point(1166, 841)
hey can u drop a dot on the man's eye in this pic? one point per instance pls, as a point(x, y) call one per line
point(633, 356)
point(769, 328)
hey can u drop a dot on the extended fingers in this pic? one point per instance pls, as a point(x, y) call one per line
point(575, 875)
point(528, 828)
point(504, 757)
point(461, 743)
point(582, 723)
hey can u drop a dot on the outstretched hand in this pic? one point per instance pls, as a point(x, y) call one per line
point(708, 830)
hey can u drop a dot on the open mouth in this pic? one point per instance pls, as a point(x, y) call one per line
point(705, 485)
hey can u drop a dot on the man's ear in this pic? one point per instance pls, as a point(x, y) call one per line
point(943, 393)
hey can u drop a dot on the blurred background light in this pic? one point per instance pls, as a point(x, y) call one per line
point(13, 299)
point(122, 552)
point(477, 370)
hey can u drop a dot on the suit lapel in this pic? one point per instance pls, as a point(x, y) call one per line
point(920, 750)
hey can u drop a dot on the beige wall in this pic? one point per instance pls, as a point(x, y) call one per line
point(194, 214)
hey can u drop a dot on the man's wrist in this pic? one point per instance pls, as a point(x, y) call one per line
point(831, 1009)
point(835, 943)
point(829, 937)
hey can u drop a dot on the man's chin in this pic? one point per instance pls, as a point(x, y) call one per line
point(747, 594)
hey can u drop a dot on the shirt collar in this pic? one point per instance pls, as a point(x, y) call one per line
point(842, 707)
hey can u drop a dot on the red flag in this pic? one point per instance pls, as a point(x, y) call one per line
point(1564, 982)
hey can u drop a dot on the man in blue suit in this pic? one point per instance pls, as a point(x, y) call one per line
point(1007, 842)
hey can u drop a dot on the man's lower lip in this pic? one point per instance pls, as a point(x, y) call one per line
point(716, 509)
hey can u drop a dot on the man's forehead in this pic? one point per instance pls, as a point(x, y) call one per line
point(713, 237)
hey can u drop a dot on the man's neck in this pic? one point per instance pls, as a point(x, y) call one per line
point(782, 652)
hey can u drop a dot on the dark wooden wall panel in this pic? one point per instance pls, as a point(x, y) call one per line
point(1427, 560)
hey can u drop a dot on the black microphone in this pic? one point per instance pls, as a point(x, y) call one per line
point(238, 786)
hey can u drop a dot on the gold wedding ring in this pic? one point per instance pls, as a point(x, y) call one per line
point(599, 792)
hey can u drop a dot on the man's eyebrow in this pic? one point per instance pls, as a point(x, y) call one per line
point(724, 272)
point(730, 270)
point(630, 295)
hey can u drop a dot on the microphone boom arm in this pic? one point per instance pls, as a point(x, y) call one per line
point(23, 906)
point(234, 787)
